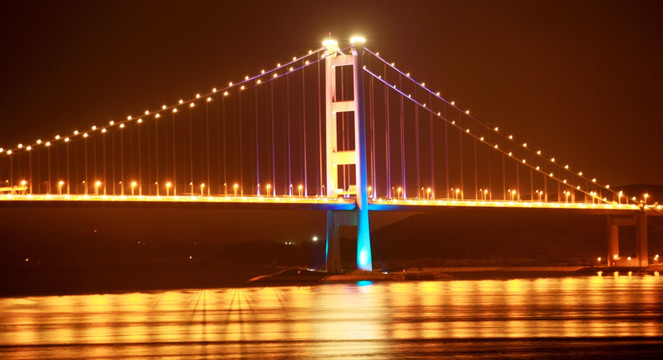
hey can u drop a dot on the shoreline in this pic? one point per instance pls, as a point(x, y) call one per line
point(452, 273)
point(294, 276)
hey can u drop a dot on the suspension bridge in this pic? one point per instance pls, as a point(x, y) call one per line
point(338, 129)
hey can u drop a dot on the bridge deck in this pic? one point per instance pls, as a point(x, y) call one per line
point(303, 203)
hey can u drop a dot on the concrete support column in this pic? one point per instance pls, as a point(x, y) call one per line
point(641, 239)
point(332, 249)
point(613, 240)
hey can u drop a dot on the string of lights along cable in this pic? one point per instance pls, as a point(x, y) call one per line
point(263, 138)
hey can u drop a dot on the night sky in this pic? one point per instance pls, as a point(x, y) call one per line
point(581, 80)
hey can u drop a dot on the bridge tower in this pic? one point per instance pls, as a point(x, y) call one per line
point(358, 217)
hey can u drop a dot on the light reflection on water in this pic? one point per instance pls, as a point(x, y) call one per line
point(331, 320)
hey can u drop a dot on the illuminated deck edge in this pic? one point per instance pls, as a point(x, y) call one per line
point(303, 203)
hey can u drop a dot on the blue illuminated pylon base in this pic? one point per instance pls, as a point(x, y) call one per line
point(335, 219)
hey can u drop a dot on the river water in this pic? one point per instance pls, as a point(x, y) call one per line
point(595, 316)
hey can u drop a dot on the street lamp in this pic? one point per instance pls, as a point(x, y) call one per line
point(300, 190)
point(133, 186)
point(202, 188)
point(315, 238)
point(370, 189)
point(96, 187)
point(269, 186)
point(399, 191)
point(646, 196)
point(235, 186)
point(168, 185)
point(60, 183)
point(428, 193)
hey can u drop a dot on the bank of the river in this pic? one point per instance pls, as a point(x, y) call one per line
point(298, 275)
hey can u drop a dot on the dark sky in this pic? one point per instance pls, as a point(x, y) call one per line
point(581, 80)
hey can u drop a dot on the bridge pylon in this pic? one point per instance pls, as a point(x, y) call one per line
point(334, 158)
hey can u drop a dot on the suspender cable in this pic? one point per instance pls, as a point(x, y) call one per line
point(271, 102)
point(207, 135)
point(50, 184)
point(156, 155)
point(446, 151)
point(57, 168)
point(140, 173)
point(38, 178)
point(68, 176)
point(112, 165)
point(559, 192)
point(545, 188)
point(219, 124)
point(191, 148)
point(11, 173)
point(476, 182)
point(460, 146)
point(173, 127)
point(402, 123)
point(304, 131)
point(490, 180)
point(504, 176)
point(121, 162)
point(320, 174)
point(287, 104)
point(387, 138)
point(416, 147)
point(103, 149)
point(48, 189)
point(149, 161)
point(374, 184)
point(518, 178)
point(223, 133)
point(241, 164)
point(30, 172)
point(255, 102)
point(531, 184)
point(432, 150)
point(94, 160)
